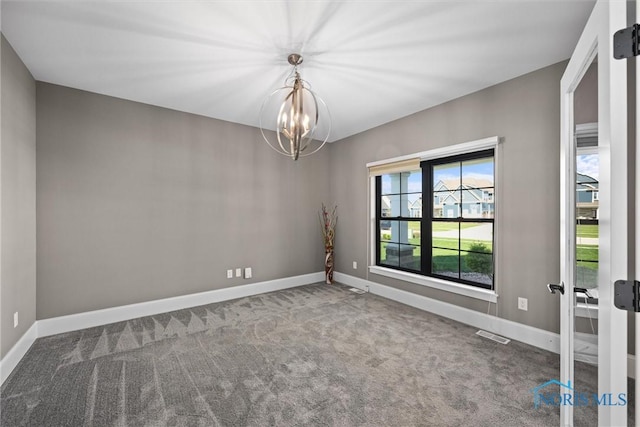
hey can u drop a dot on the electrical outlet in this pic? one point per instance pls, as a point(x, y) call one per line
point(238, 272)
point(523, 304)
point(355, 265)
point(229, 274)
point(247, 273)
point(15, 319)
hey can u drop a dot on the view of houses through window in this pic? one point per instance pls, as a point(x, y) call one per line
point(400, 237)
point(463, 207)
point(449, 232)
point(587, 215)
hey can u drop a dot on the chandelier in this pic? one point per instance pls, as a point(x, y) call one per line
point(299, 117)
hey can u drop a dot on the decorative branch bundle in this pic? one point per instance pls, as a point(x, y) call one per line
point(328, 223)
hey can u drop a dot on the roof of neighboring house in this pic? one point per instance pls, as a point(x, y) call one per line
point(386, 202)
point(586, 183)
point(467, 183)
point(582, 178)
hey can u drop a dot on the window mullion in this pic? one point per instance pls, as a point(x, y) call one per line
point(460, 205)
point(378, 217)
point(425, 222)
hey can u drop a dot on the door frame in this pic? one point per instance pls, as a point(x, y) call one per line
point(596, 40)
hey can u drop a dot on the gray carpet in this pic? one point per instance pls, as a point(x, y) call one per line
point(314, 355)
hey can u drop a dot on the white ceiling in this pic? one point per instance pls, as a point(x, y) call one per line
point(371, 61)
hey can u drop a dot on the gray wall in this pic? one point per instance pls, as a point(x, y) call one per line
point(525, 113)
point(137, 203)
point(18, 194)
point(585, 97)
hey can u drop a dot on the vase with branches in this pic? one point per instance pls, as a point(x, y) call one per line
point(328, 221)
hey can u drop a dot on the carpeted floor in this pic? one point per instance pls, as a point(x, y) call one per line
point(314, 355)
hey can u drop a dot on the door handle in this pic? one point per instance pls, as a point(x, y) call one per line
point(583, 291)
point(553, 288)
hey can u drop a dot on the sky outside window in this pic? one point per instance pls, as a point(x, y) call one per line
point(481, 169)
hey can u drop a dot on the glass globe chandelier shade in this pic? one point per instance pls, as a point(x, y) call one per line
point(299, 118)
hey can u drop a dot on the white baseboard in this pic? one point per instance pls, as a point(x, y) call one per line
point(74, 322)
point(17, 352)
point(507, 328)
point(517, 331)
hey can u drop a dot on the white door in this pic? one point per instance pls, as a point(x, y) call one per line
point(596, 44)
point(637, 222)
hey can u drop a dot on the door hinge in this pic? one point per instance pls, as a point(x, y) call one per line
point(627, 295)
point(625, 42)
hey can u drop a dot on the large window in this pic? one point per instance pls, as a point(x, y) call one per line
point(448, 233)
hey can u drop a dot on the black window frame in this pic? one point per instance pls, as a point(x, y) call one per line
point(427, 220)
point(380, 219)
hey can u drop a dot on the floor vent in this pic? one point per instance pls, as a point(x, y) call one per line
point(493, 337)
point(357, 291)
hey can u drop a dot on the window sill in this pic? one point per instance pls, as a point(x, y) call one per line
point(432, 282)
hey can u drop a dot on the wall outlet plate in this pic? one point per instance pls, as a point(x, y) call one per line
point(238, 272)
point(229, 274)
point(15, 319)
point(248, 273)
point(355, 265)
point(523, 304)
